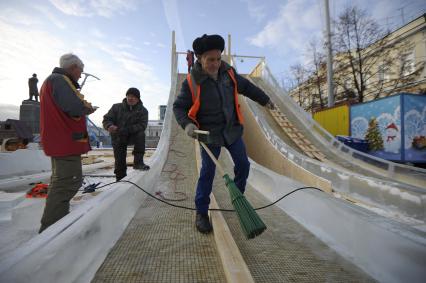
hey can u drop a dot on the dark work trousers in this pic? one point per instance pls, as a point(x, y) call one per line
point(120, 152)
point(66, 179)
point(208, 168)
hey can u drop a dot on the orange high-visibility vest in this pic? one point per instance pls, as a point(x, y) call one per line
point(192, 113)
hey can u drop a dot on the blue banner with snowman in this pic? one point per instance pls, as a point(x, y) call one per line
point(414, 128)
point(389, 136)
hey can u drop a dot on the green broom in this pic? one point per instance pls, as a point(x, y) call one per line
point(250, 221)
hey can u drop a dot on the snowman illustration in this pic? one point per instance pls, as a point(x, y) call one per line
point(392, 141)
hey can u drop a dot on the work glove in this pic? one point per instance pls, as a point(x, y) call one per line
point(189, 130)
point(270, 105)
point(112, 129)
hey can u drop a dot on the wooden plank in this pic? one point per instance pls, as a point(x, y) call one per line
point(234, 266)
point(310, 155)
point(319, 156)
point(296, 136)
point(311, 146)
point(236, 269)
point(291, 131)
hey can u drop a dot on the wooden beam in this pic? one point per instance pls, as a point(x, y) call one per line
point(234, 266)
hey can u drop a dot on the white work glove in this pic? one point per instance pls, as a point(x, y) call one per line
point(189, 130)
point(270, 105)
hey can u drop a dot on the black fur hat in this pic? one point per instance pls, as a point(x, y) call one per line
point(134, 91)
point(208, 42)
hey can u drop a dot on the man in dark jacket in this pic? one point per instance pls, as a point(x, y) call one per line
point(215, 108)
point(126, 122)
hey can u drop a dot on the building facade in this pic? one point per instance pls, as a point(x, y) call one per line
point(153, 133)
point(394, 64)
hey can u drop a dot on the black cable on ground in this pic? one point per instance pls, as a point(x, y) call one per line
point(211, 209)
point(102, 176)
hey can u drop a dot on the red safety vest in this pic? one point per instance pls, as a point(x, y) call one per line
point(192, 113)
point(57, 128)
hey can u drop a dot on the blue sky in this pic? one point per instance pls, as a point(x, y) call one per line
point(126, 43)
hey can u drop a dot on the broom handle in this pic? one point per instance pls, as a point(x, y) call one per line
point(213, 158)
point(202, 132)
point(219, 167)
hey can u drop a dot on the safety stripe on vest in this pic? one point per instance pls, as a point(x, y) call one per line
point(192, 113)
point(85, 102)
point(77, 93)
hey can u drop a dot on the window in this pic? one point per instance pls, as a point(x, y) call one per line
point(383, 73)
point(407, 63)
point(347, 84)
point(367, 79)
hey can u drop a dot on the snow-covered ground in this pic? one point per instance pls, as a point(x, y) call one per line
point(23, 162)
point(20, 221)
point(20, 216)
point(79, 241)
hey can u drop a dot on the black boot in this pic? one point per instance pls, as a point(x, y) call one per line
point(119, 177)
point(138, 163)
point(142, 167)
point(202, 223)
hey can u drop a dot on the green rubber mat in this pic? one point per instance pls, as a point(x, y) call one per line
point(161, 243)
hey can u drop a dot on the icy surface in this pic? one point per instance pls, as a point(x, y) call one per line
point(22, 183)
point(80, 240)
point(16, 163)
point(387, 250)
point(20, 216)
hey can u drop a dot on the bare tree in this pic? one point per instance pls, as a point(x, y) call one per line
point(355, 31)
point(317, 73)
point(368, 58)
point(299, 75)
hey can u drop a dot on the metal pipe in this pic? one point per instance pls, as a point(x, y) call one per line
point(329, 57)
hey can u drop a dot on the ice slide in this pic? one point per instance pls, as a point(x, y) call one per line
point(388, 187)
point(78, 245)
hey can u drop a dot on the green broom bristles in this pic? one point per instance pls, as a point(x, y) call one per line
point(250, 221)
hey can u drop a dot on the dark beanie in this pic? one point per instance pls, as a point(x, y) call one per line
point(134, 91)
point(208, 42)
